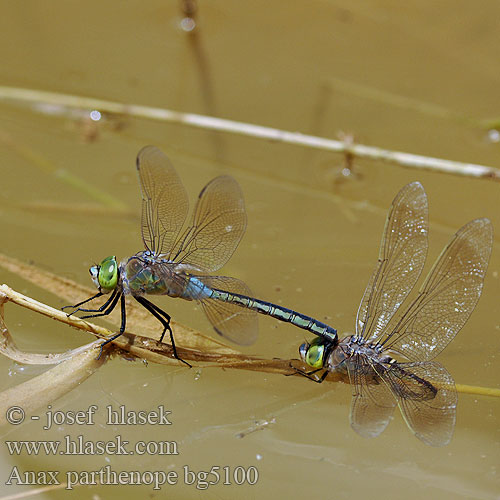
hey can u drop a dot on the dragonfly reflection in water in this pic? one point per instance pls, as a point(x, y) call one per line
point(176, 262)
point(424, 391)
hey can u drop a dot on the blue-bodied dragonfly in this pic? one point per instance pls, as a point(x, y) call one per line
point(177, 261)
point(424, 391)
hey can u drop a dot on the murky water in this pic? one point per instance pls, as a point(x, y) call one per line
point(416, 78)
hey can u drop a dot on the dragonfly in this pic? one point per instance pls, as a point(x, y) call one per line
point(178, 258)
point(389, 359)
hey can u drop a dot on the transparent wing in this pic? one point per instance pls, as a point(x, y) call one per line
point(372, 403)
point(164, 200)
point(427, 398)
point(402, 256)
point(447, 297)
point(219, 222)
point(236, 323)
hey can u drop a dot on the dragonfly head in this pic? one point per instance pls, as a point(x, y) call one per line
point(314, 353)
point(105, 275)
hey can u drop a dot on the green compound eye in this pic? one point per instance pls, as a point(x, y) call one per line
point(315, 353)
point(108, 273)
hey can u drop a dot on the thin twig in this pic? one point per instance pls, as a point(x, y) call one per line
point(399, 101)
point(67, 177)
point(210, 123)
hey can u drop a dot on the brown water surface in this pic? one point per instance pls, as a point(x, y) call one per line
point(410, 76)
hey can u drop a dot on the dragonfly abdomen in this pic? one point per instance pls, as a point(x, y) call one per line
point(278, 312)
point(196, 290)
point(421, 389)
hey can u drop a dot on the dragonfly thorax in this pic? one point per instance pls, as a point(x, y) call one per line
point(146, 273)
point(153, 257)
point(350, 349)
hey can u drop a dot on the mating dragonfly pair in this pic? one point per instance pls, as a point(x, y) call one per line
point(177, 262)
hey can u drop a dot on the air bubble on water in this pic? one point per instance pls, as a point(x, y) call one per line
point(494, 135)
point(187, 24)
point(16, 369)
point(95, 115)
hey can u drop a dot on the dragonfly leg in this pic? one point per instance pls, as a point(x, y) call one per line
point(164, 319)
point(312, 374)
point(76, 306)
point(164, 315)
point(122, 326)
point(105, 309)
point(110, 300)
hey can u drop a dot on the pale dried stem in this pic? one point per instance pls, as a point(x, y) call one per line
point(218, 124)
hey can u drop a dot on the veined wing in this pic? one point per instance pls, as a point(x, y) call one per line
point(447, 297)
point(219, 222)
point(233, 322)
point(372, 403)
point(427, 398)
point(401, 258)
point(164, 200)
